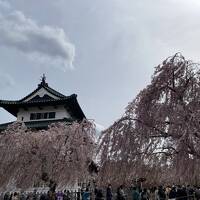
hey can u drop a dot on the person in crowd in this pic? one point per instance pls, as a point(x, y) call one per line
point(135, 194)
point(15, 196)
point(51, 195)
point(197, 193)
point(99, 194)
point(167, 191)
point(184, 192)
point(156, 194)
point(172, 193)
point(22, 196)
point(65, 195)
point(29, 196)
point(68, 195)
point(86, 194)
point(109, 194)
point(144, 195)
point(190, 192)
point(6, 196)
point(181, 193)
point(11, 196)
point(152, 193)
point(79, 194)
point(35, 195)
point(178, 192)
point(59, 195)
point(120, 193)
point(161, 193)
point(43, 196)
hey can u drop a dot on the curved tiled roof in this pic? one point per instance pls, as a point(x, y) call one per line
point(36, 101)
point(45, 86)
point(69, 102)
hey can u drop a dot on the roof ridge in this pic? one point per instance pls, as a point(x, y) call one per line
point(56, 93)
point(48, 88)
point(34, 91)
point(36, 101)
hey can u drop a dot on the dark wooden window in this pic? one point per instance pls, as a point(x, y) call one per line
point(47, 115)
point(52, 115)
point(39, 115)
point(32, 117)
point(42, 115)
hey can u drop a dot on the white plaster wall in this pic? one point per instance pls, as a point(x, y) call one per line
point(60, 113)
point(41, 93)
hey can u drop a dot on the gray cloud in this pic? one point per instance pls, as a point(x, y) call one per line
point(40, 42)
point(4, 5)
point(6, 81)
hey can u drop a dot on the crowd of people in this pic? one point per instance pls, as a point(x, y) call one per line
point(50, 195)
point(160, 193)
point(122, 193)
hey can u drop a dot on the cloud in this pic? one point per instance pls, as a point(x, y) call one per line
point(40, 42)
point(6, 81)
point(4, 5)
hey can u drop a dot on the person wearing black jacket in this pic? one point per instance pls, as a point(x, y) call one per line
point(109, 194)
point(181, 193)
point(161, 193)
point(172, 193)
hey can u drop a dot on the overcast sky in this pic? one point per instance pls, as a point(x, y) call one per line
point(103, 50)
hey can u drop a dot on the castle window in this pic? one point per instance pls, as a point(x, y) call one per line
point(47, 115)
point(33, 116)
point(52, 115)
point(39, 116)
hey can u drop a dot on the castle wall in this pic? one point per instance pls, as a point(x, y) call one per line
point(59, 110)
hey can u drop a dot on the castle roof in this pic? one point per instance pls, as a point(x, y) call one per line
point(50, 97)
